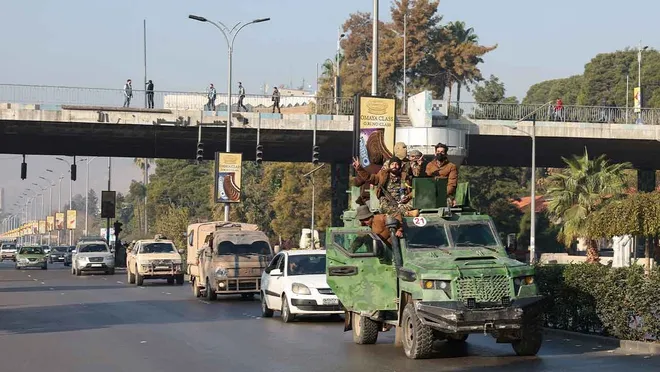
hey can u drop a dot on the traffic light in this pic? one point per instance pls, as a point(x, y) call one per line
point(117, 225)
point(23, 170)
point(73, 172)
point(315, 155)
point(260, 153)
point(200, 151)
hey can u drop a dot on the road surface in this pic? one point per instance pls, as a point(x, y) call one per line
point(51, 321)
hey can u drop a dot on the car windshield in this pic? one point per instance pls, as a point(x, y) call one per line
point(429, 236)
point(8, 247)
point(31, 250)
point(472, 235)
point(257, 247)
point(157, 248)
point(60, 249)
point(306, 264)
point(92, 247)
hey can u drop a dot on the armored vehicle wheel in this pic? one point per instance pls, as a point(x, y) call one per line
point(170, 281)
point(365, 330)
point(265, 311)
point(285, 313)
point(210, 292)
point(196, 290)
point(531, 340)
point(139, 279)
point(417, 338)
point(179, 279)
point(131, 277)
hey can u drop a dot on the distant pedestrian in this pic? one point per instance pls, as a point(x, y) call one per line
point(559, 110)
point(211, 93)
point(150, 94)
point(276, 100)
point(128, 93)
point(241, 95)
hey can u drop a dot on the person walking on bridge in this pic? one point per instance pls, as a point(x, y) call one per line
point(276, 100)
point(128, 93)
point(210, 94)
point(241, 96)
point(150, 94)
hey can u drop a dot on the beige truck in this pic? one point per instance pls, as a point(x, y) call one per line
point(226, 258)
point(155, 258)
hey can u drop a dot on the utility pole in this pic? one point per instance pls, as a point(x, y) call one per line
point(107, 225)
point(310, 174)
point(374, 58)
point(405, 73)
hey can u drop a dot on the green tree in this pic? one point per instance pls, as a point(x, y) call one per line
point(567, 89)
point(182, 184)
point(173, 223)
point(492, 91)
point(579, 191)
point(546, 232)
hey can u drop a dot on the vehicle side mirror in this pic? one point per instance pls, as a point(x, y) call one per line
point(181, 251)
point(275, 272)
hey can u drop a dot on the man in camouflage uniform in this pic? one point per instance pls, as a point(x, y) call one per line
point(393, 191)
point(417, 164)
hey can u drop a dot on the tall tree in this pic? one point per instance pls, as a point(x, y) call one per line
point(492, 91)
point(581, 189)
point(92, 203)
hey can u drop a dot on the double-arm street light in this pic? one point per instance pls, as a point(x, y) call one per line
point(640, 49)
point(70, 194)
point(532, 206)
point(310, 174)
point(87, 191)
point(228, 33)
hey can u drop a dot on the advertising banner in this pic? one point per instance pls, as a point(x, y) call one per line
point(42, 227)
point(375, 131)
point(50, 223)
point(228, 177)
point(637, 99)
point(59, 221)
point(71, 219)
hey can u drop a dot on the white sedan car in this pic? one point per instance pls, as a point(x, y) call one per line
point(294, 283)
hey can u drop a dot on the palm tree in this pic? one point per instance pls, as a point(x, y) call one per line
point(144, 164)
point(466, 55)
point(579, 191)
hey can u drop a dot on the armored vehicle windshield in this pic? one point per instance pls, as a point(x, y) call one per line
point(442, 234)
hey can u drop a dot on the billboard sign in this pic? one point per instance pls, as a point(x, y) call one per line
point(374, 131)
point(228, 167)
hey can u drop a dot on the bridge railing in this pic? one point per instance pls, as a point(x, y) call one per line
point(172, 100)
point(575, 114)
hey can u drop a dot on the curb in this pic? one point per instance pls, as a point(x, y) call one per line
point(627, 345)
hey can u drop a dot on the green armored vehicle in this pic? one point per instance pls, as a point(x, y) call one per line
point(447, 277)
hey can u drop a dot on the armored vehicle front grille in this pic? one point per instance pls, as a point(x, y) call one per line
point(487, 289)
point(326, 291)
point(96, 259)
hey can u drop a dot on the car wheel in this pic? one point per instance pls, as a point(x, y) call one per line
point(44, 267)
point(179, 279)
point(285, 312)
point(170, 281)
point(210, 292)
point(365, 330)
point(131, 277)
point(265, 311)
point(196, 290)
point(139, 279)
point(417, 338)
point(78, 272)
point(111, 271)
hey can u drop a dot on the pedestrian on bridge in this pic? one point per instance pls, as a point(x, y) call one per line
point(241, 96)
point(150, 94)
point(276, 100)
point(210, 105)
point(128, 93)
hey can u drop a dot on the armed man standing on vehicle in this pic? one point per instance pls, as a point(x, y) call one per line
point(441, 167)
point(393, 191)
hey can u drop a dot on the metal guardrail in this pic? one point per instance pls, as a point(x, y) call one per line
point(573, 114)
point(173, 100)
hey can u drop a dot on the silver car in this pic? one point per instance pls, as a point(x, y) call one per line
point(92, 256)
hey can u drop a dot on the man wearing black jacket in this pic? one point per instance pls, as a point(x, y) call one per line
point(150, 94)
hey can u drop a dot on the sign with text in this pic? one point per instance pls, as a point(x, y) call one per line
point(59, 221)
point(42, 227)
point(637, 99)
point(50, 223)
point(374, 131)
point(71, 219)
point(108, 201)
point(228, 167)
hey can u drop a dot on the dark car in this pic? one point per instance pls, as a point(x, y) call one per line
point(68, 255)
point(57, 254)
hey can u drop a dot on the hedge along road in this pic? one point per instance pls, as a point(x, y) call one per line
point(52, 321)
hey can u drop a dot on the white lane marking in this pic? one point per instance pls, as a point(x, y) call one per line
point(104, 278)
point(52, 289)
point(143, 342)
point(29, 276)
point(34, 280)
point(43, 283)
point(204, 302)
point(118, 282)
point(167, 293)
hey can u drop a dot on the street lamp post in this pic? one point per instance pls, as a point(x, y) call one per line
point(50, 203)
point(70, 197)
point(374, 52)
point(310, 174)
point(233, 32)
point(87, 192)
point(639, 79)
point(337, 82)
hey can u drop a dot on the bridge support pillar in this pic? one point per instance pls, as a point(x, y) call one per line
point(339, 177)
point(645, 180)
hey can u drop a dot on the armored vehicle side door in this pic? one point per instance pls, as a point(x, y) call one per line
point(360, 270)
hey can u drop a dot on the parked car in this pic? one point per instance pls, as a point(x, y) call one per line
point(92, 256)
point(8, 252)
point(294, 283)
point(31, 256)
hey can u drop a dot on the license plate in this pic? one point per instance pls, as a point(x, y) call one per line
point(97, 265)
point(330, 301)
